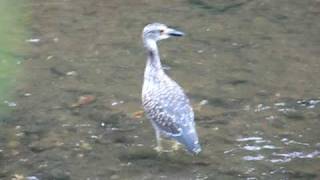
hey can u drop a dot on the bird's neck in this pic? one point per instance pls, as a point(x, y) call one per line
point(153, 54)
point(153, 65)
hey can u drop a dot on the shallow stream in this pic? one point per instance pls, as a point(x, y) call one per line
point(250, 67)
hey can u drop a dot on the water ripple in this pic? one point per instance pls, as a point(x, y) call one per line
point(286, 157)
point(253, 158)
point(249, 139)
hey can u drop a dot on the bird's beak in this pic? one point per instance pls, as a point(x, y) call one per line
point(173, 32)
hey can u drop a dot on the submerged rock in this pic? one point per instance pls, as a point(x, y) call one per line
point(55, 173)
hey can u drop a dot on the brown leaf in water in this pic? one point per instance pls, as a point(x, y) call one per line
point(138, 114)
point(84, 100)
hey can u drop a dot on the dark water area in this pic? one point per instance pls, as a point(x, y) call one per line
point(250, 68)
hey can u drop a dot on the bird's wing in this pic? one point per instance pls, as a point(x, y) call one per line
point(169, 109)
point(163, 120)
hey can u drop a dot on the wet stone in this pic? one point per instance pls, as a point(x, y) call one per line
point(301, 175)
point(37, 128)
point(138, 154)
point(45, 143)
point(4, 173)
point(1, 155)
point(201, 163)
point(39, 146)
point(122, 140)
point(236, 82)
point(278, 124)
point(32, 178)
point(264, 94)
point(56, 174)
point(294, 115)
point(115, 176)
point(85, 146)
point(59, 174)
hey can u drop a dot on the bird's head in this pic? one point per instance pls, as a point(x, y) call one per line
point(158, 31)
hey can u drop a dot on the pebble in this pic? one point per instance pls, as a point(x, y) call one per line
point(115, 176)
point(71, 73)
point(34, 40)
point(32, 178)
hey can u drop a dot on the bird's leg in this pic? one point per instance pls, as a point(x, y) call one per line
point(176, 146)
point(158, 148)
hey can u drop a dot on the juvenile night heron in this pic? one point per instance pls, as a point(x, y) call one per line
point(164, 102)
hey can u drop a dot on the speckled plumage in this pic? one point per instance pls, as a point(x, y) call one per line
point(165, 104)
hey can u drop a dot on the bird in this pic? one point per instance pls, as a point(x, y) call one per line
point(164, 101)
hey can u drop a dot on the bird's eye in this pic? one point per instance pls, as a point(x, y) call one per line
point(161, 30)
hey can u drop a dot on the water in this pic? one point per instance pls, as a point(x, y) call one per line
point(11, 53)
point(251, 70)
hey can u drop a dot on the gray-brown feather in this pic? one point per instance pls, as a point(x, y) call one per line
point(166, 105)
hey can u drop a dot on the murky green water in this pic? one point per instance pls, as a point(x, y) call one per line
point(250, 68)
point(13, 34)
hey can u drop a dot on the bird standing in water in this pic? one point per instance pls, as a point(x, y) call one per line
point(164, 102)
